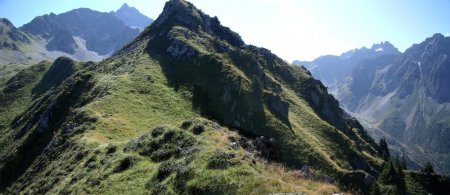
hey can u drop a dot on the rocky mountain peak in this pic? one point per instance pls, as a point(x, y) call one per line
point(185, 14)
point(132, 17)
point(438, 36)
point(376, 50)
point(125, 6)
point(126, 9)
point(385, 46)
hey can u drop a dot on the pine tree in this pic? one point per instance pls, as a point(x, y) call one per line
point(401, 185)
point(392, 175)
point(428, 169)
point(384, 150)
point(389, 175)
point(375, 189)
point(403, 163)
point(397, 160)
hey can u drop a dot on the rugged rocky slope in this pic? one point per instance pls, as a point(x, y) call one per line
point(142, 120)
point(81, 34)
point(17, 50)
point(405, 98)
point(98, 32)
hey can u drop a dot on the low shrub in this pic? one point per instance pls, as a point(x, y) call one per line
point(111, 149)
point(157, 131)
point(125, 163)
point(168, 167)
point(183, 175)
point(164, 143)
point(156, 187)
point(212, 184)
point(198, 129)
point(186, 124)
point(218, 160)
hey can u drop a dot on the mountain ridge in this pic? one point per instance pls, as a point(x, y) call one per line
point(186, 66)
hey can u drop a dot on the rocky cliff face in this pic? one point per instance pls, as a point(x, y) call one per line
point(102, 33)
point(406, 99)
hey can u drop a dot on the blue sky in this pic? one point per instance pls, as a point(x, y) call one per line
point(292, 29)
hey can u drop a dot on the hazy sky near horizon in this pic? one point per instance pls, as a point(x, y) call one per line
point(292, 29)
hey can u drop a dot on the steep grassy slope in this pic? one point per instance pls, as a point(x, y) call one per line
point(20, 90)
point(141, 121)
point(91, 151)
point(266, 96)
point(18, 95)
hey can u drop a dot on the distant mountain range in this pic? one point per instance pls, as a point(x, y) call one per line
point(81, 34)
point(332, 70)
point(84, 29)
point(404, 97)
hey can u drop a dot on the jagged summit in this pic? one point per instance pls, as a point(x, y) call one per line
point(6, 22)
point(183, 13)
point(438, 35)
point(385, 47)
